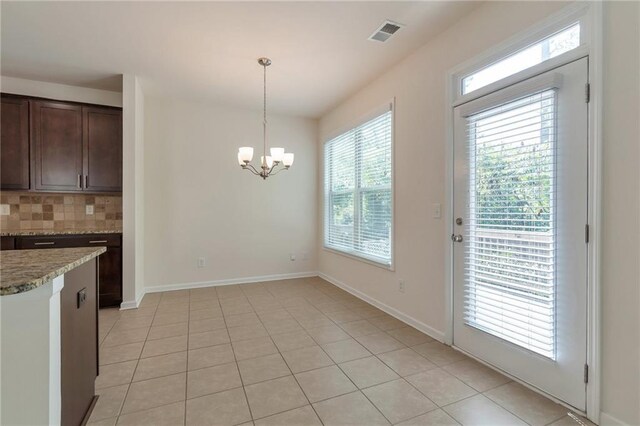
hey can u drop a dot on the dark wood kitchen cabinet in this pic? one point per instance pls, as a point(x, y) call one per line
point(14, 143)
point(111, 277)
point(110, 263)
point(102, 137)
point(56, 146)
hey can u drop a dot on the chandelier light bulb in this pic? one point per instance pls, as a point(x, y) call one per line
point(287, 159)
point(277, 154)
point(269, 161)
point(245, 153)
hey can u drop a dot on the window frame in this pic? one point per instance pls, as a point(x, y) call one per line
point(357, 192)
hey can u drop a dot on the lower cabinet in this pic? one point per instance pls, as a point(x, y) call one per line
point(79, 343)
point(111, 277)
point(110, 264)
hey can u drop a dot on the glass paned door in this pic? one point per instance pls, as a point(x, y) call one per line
point(520, 200)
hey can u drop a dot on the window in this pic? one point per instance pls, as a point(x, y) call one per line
point(358, 191)
point(550, 47)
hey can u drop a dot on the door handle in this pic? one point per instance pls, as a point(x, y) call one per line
point(49, 243)
point(97, 241)
point(456, 238)
point(86, 181)
point(80, 181)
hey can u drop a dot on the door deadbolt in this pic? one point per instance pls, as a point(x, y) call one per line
point(456, 238)
point(459, 221)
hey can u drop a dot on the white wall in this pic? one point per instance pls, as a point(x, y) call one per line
point(61, 92)
point(621, 214)
point(199, 203)
point(132, 192)
point(418, 84)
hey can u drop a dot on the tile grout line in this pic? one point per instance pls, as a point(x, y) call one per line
point(124, 400)
point(358, 389)
point(291, 371)
point(186, 374)
point(244, 391)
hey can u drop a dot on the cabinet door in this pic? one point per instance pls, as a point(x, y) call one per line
point(111, 277)
point(14, 144)
point(102, 134)
point(56, 144)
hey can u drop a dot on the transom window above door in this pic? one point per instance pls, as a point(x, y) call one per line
point(358, 182)
point(541, 51)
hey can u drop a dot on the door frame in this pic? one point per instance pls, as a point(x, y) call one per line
point(591, 16)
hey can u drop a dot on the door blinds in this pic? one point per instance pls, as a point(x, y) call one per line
point(510, 275)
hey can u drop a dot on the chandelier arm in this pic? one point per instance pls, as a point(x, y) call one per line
point(278, 171)
point(251, 169)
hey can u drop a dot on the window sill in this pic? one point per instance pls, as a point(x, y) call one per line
point(388, 267)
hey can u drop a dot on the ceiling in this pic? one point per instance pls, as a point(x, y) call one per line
point(207, 50)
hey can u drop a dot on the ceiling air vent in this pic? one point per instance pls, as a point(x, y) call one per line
point(385, 31)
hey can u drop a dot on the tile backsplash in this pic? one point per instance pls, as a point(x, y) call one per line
point(47, 211)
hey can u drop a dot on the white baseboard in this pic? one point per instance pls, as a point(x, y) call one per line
point(609, 420)
point(132, 304)
point(231, 281)
point(428, 330)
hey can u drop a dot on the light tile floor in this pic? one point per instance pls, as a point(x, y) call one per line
point(294, 352)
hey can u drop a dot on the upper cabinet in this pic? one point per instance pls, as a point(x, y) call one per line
point(56, 146)
point(102, 134)
point(60, 146)
point(14, 143)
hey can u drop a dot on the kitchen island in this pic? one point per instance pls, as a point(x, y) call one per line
point(48, 312)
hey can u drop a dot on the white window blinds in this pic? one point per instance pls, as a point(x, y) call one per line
point(510, 278)
point(358, 191)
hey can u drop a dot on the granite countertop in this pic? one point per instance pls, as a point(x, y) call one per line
point(36, 232)
point(24, 270)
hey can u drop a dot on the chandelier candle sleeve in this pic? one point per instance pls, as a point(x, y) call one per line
point(245, 154)
point(269, 161)
point(277, 154)
point(268, 164)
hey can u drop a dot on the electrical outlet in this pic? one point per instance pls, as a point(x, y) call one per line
point(201, 262)
point(305, 255)
point(292, 257)
point(89, 209)
point(4, 209)
point(437, 210)
point(401, 286)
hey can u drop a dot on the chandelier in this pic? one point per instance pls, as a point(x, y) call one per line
point(269, 164)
